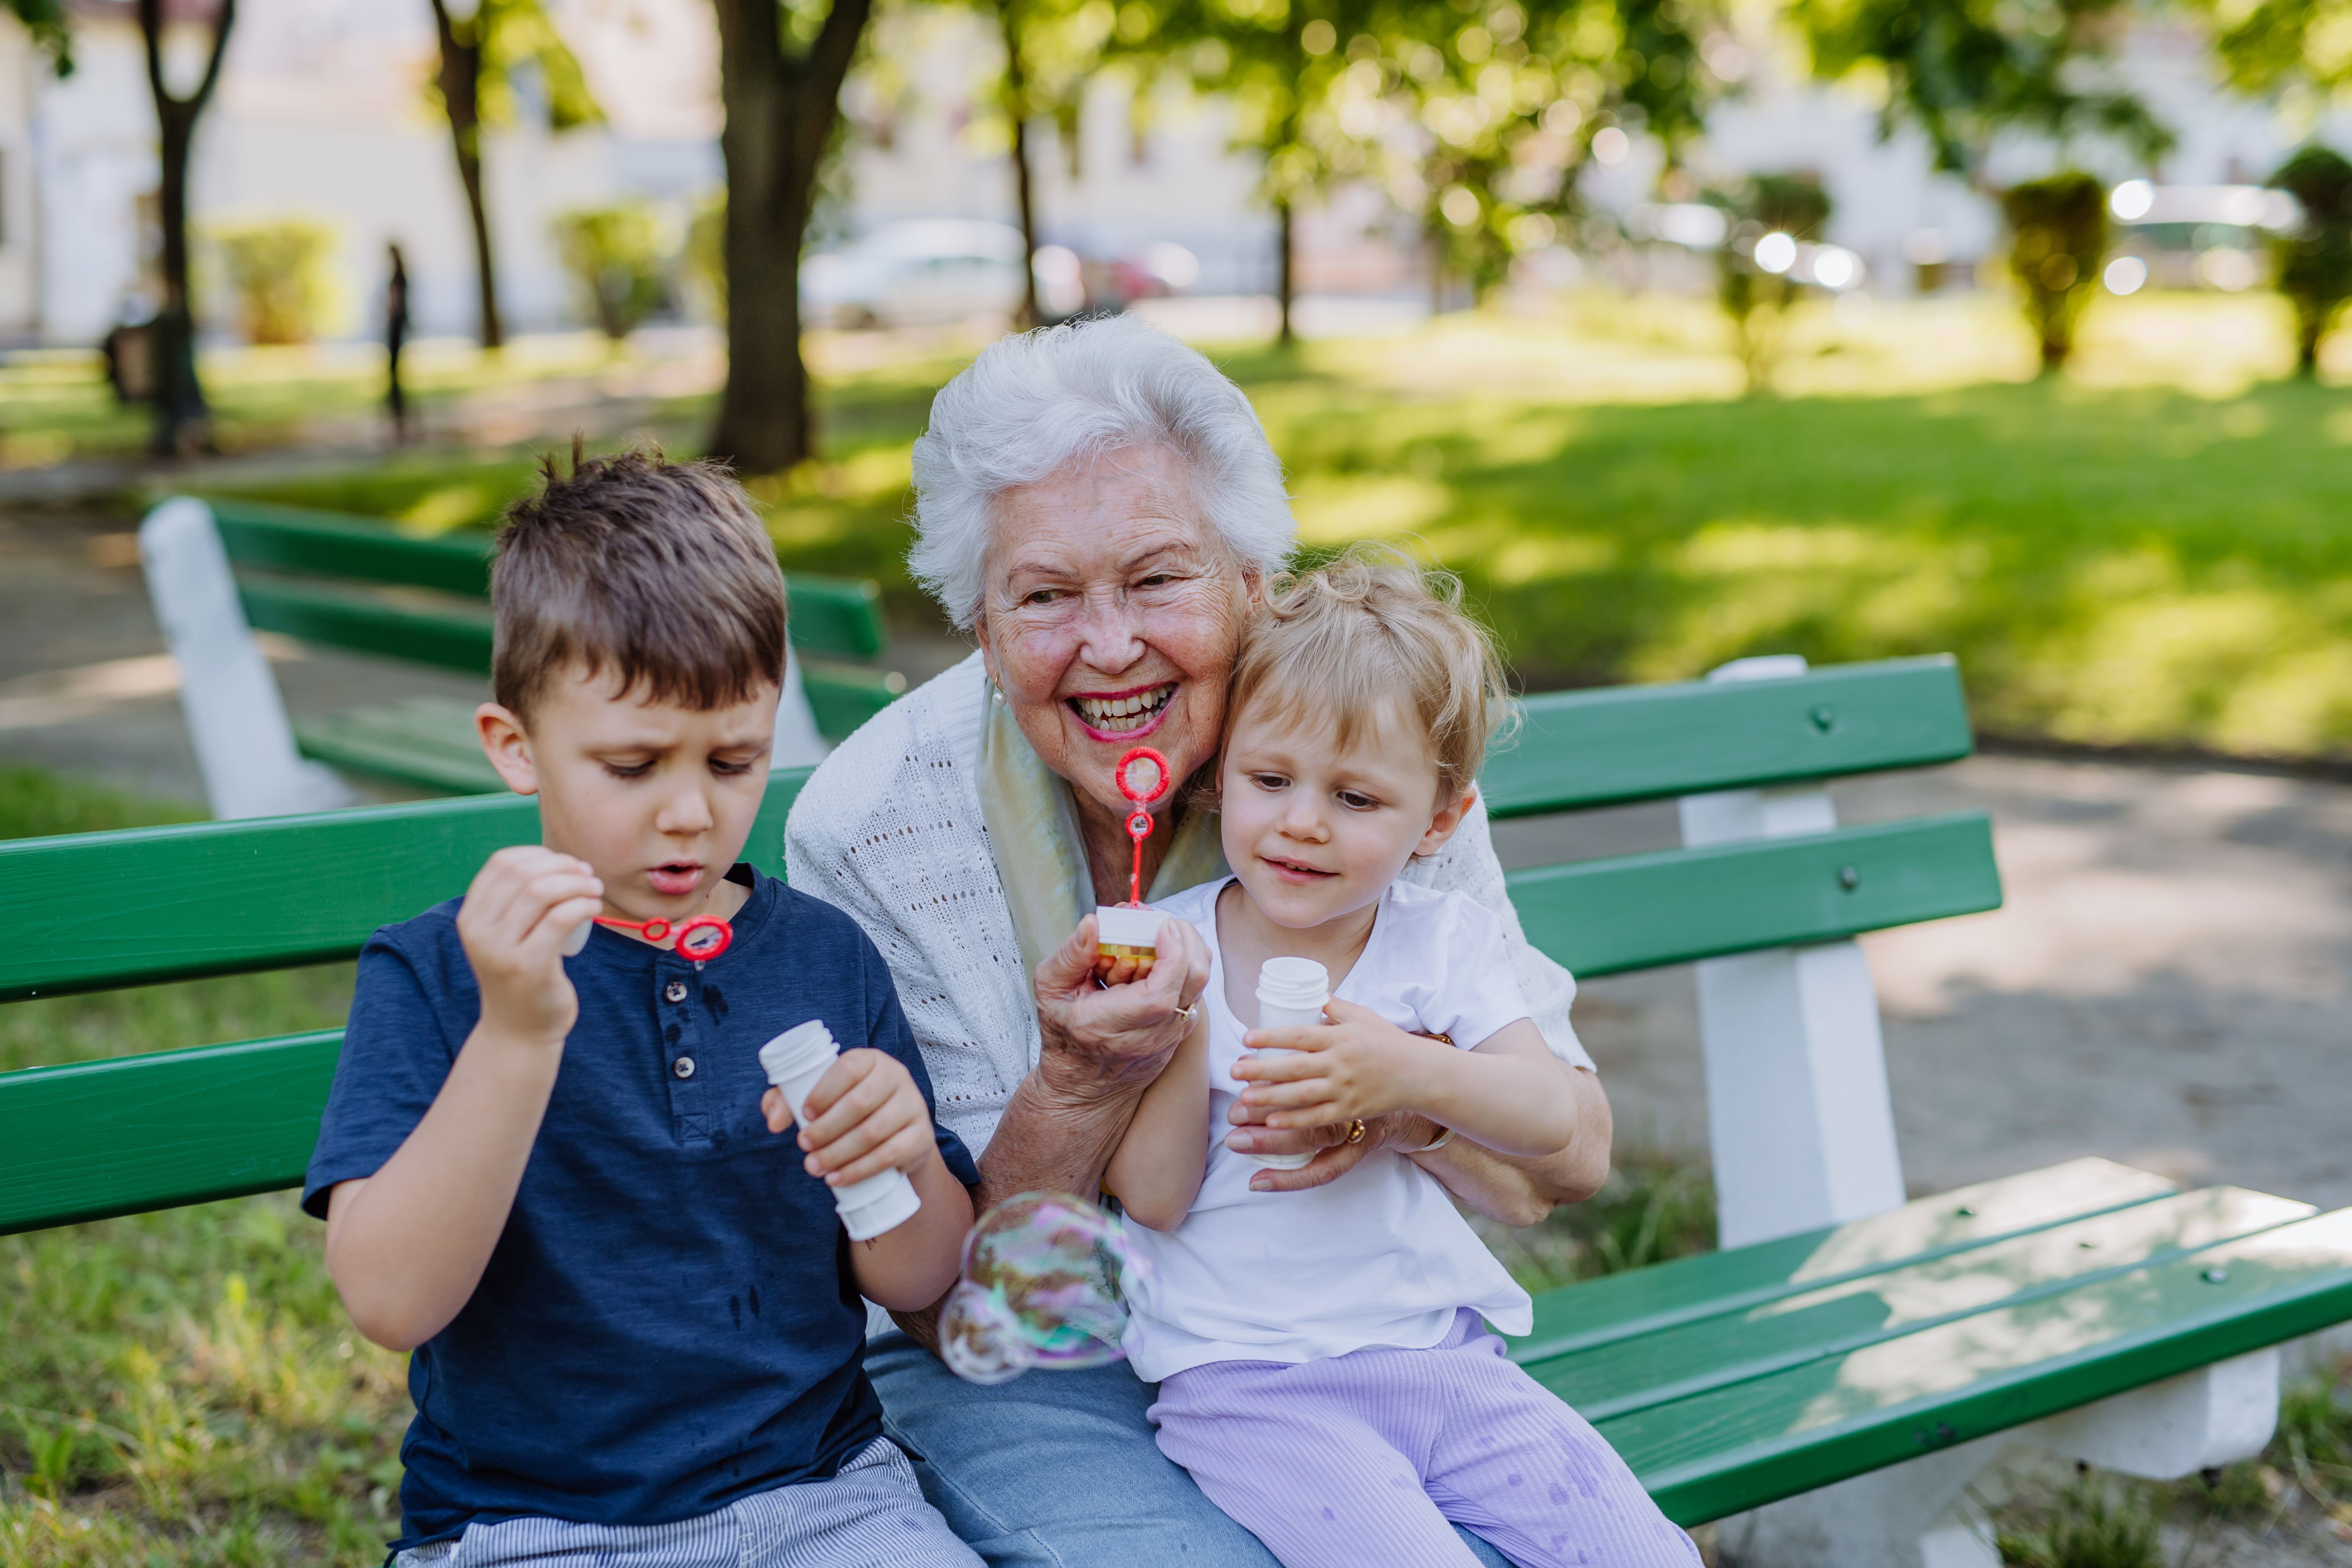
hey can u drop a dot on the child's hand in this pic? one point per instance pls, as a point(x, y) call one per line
point(523, 903)
point(865, 1117)
point(1358, 1065)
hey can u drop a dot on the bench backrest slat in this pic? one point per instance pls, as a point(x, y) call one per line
point(92, 1139)
point(217, 898)
point(838, 617)
point(1639, 911)
point(1580, 749)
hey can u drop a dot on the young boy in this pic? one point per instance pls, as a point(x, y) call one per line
point(560, 1181)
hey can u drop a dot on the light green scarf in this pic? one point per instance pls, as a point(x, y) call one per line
point(1032, 829)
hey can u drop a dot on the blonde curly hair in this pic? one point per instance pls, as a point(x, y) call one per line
point(1326, 642)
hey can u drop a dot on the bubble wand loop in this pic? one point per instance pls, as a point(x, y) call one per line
point(701, 938)
point(1128, 930)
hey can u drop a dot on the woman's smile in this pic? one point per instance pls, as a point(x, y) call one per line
point(1123, 715)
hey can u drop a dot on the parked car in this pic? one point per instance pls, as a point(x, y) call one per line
point(2186, 236)
point(928, 270)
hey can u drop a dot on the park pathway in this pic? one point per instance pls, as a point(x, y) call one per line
point(2166, 987)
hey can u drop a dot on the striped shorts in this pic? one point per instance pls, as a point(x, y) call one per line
point(871, 1511)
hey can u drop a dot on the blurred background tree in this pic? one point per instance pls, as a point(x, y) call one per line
point(614, 258)
point(1516, 99)
point(483, 43)
point(276, 274)
point(2313, 260)
point(1052, 51)
point(781, 68)
point(183, 418)
point(2058, 236)
point(1766, 217)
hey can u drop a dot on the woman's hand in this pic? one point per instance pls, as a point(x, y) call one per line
point(1101, 1039)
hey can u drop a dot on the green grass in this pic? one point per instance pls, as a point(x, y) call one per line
point(182, 1388)
point(2149, 550)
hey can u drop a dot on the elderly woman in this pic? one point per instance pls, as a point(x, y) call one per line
point(1099, 508)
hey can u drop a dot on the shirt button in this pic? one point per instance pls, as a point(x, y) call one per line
point(675, 991)
point(683, 1067)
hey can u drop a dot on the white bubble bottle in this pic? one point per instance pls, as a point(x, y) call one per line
point(1290, 994)
point(795, 1062)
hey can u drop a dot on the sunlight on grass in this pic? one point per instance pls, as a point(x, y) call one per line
point(2147, 551)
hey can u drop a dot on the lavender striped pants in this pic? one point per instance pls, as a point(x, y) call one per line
point(1360, 1460)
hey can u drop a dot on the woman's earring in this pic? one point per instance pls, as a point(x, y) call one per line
point(999, 691)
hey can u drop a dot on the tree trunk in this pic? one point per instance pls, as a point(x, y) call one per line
point(1286, 277)
point(182, 417)
point(460, 81)
point(782, 112)
point(1016, 110)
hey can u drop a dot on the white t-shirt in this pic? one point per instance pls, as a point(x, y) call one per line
point(1379, 1256)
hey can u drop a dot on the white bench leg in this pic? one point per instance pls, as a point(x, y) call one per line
point(237, 720)
point(798, 744)
point(1920, 1515)
point(1799, 1122)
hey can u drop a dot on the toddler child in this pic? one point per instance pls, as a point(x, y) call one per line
point(1323, 1372)
point(559, 1181)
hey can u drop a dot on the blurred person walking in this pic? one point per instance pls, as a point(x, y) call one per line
point(395, 336)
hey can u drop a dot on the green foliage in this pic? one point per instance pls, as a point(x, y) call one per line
point(705, 260)
point(1966, 71)
point(2058, 238)
point(613, 255)
point(513, 36)
point(2314, 261)
point(276, 272)
point(1759, 302)
point(2091, 1524)
point(1652, 1208)
point(2266, 44)
point(36, 803)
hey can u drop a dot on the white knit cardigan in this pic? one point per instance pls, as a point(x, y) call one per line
point(889, 830)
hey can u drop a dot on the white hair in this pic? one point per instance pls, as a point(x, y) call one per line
point(1032, 405)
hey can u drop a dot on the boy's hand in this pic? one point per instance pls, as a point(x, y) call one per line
point(1358, 1065)
point(525, 900)
point(865, 1117)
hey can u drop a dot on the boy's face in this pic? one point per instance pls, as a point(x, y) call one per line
point(657, 798)
point(1315, 833)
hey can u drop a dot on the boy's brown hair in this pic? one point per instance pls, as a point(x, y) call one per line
point(1326, 641)
point(658, 570)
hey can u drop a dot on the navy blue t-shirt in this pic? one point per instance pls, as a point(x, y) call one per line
point(669, 1321)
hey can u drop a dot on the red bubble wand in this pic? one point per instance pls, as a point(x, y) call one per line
point(1143, 776)
point(701, 938)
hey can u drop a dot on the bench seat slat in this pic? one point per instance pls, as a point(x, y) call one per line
point(1769, 1437)
point(1639, 911)
point(1715, 1351)
point(1624, 743)
point(92, 1139)
point(423, 741)
point(219, 898)
point(1617, 1307)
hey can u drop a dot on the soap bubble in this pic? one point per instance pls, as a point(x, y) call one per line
point(1041, 1283)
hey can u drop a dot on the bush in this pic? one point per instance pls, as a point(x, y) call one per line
point(277, 271)
point(2314, 261)
point(2091, 1524)
point(1757, 301)
point(706, 252)
point(614, 257)
point(2058, 238)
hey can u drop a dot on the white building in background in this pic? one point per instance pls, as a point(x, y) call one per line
point(322, 113)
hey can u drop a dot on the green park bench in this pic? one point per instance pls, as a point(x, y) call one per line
point(1835, 1376)
point(354, 583)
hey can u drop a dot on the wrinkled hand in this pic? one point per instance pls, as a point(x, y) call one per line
point(1335, 1156)
point(523, 903)
point(865, 1117)
point(1107, 1037)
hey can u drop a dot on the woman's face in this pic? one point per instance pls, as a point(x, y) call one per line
point(1111, 617)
